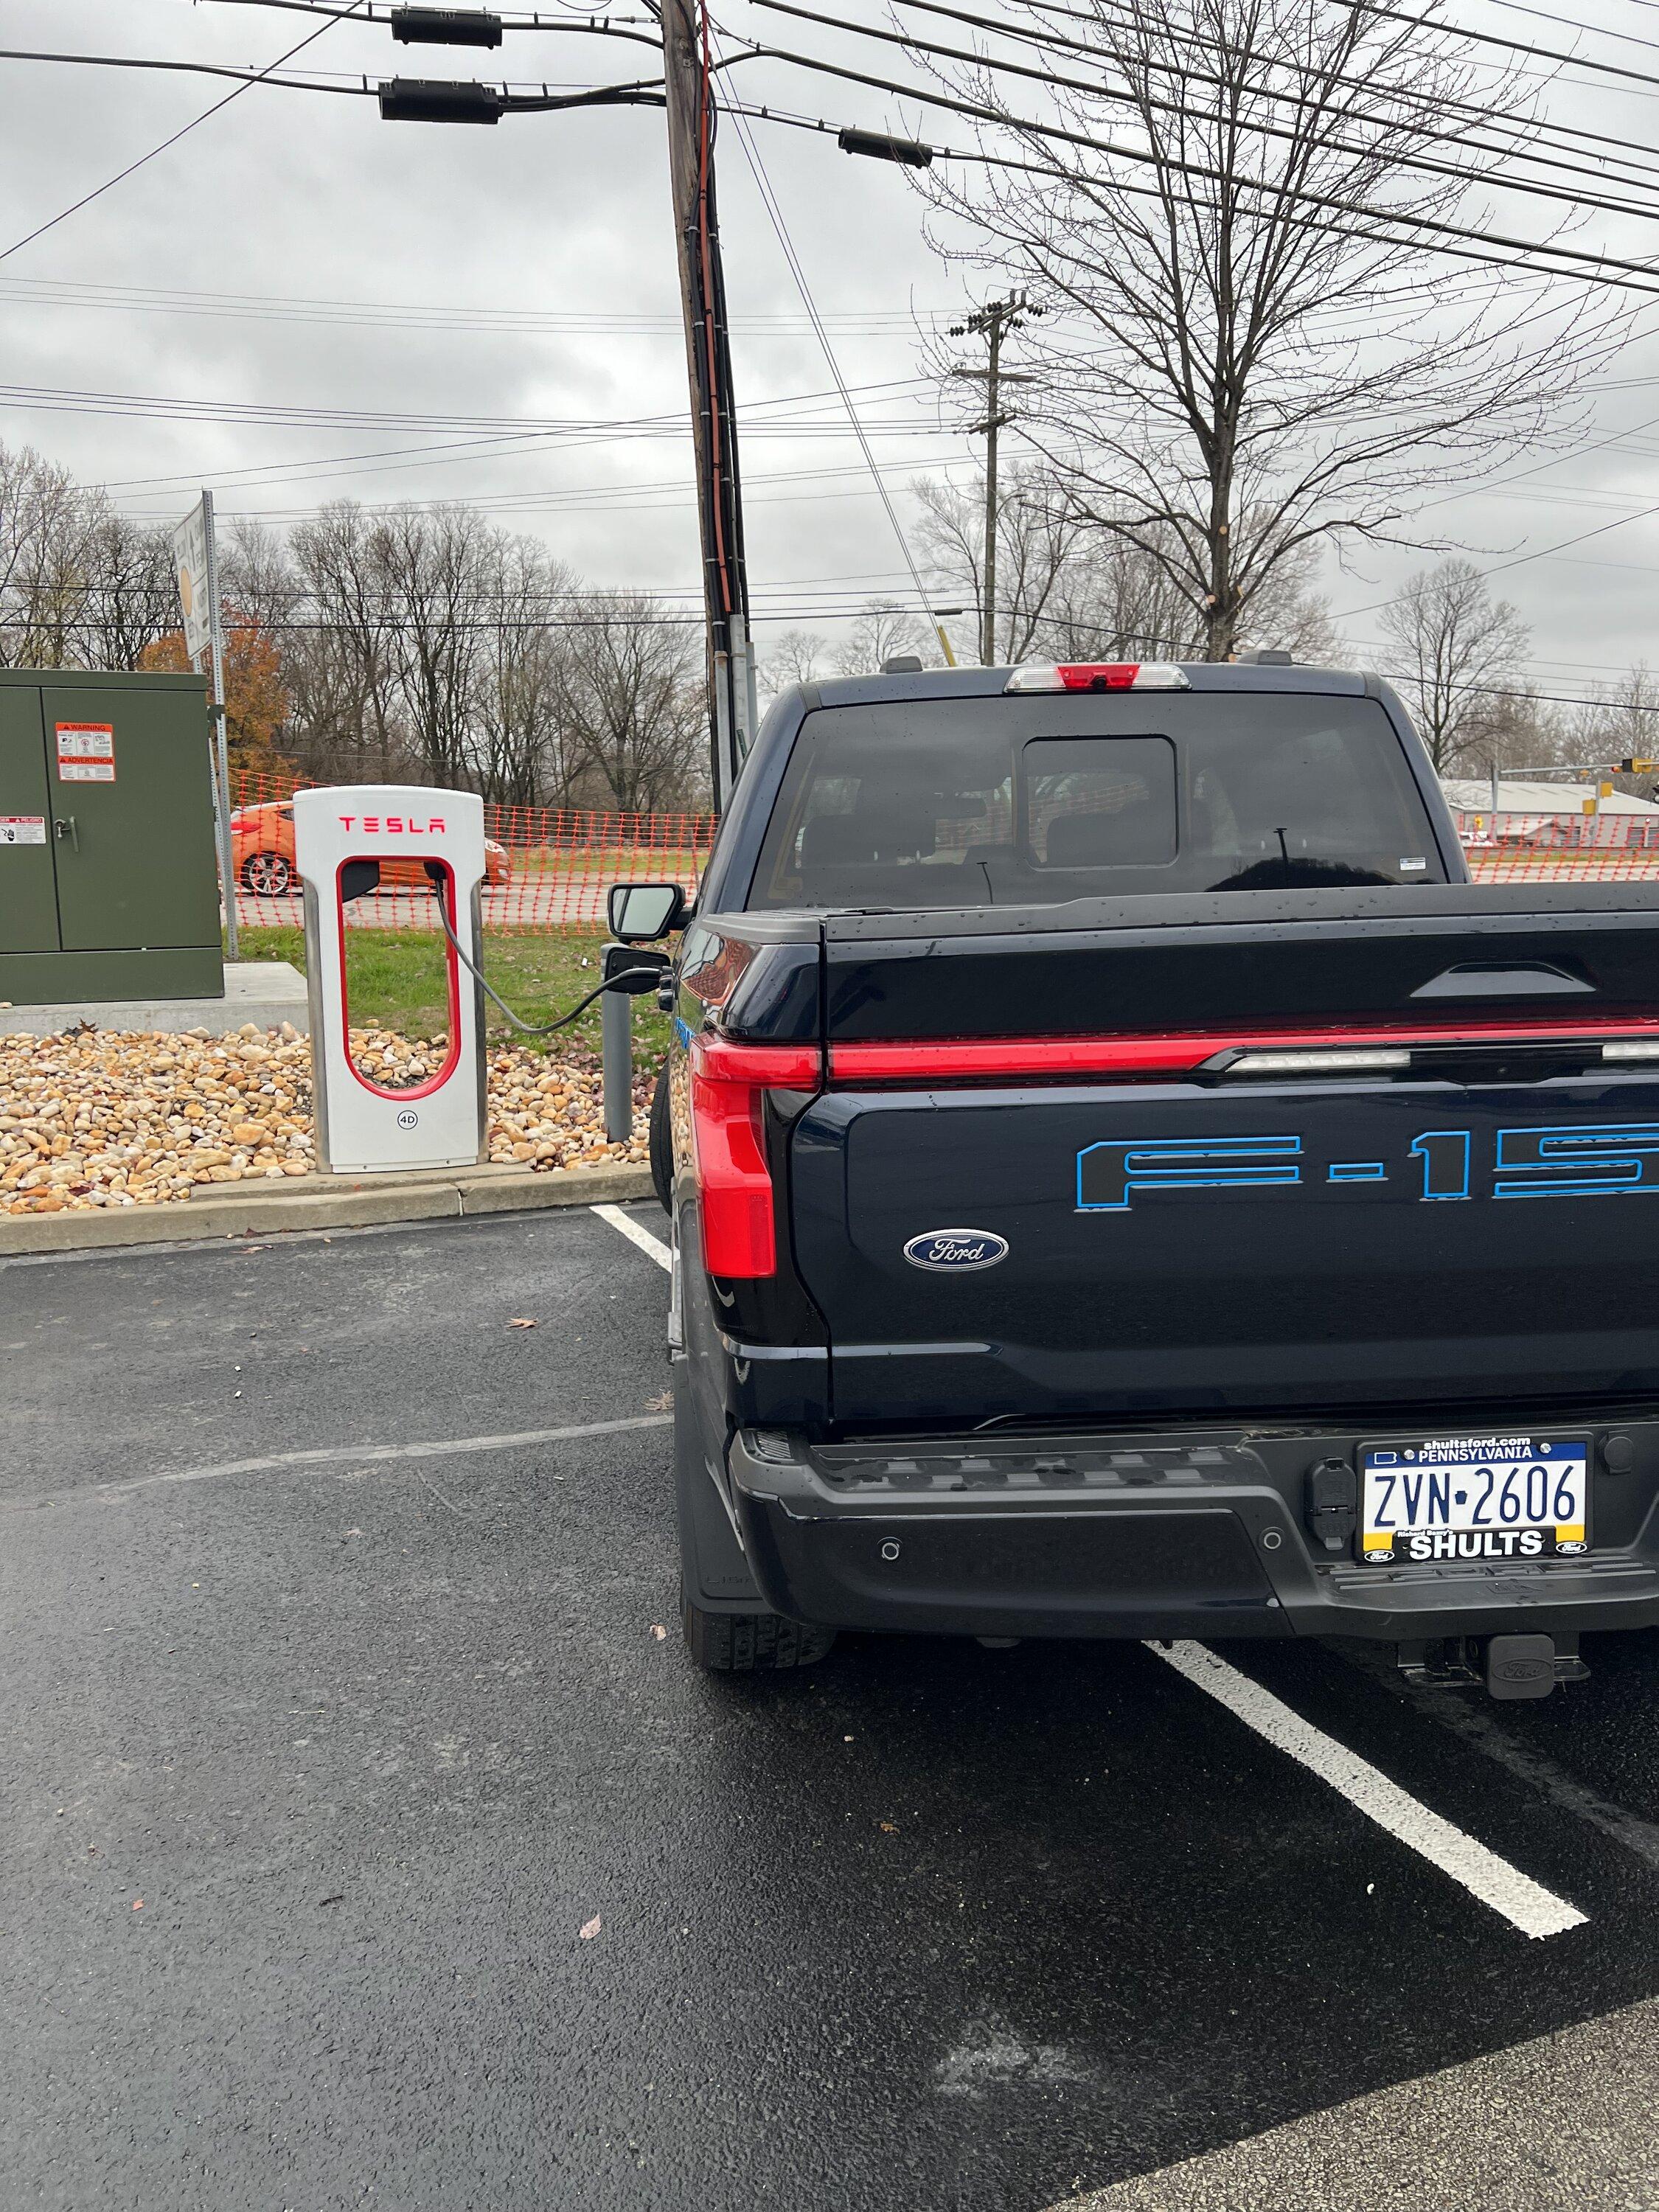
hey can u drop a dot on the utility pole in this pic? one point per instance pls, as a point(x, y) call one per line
point(689, 101)
point(993, 322)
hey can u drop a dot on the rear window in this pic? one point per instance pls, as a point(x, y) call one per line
point(1032, 801)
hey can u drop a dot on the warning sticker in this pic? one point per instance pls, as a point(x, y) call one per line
point(86, 752)
point(22, 829)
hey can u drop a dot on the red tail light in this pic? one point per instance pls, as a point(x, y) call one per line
point(728, 1083)
point(1101, 676)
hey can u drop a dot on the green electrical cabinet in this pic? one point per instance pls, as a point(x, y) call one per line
point(109, 888)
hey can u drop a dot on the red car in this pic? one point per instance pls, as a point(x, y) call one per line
point(262, 854)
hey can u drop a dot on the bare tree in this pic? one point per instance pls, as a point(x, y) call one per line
point(1248, 354)
point(129, 598)
point(1455, 650)
point(630, 701)
point(795, 658)
point(882, 632)
point(1617, 721)
point(430, 562)
point(523, 753)
point(341, 669)
point(1037, 548)
point(46, 521)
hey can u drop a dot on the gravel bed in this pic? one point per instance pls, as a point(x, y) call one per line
point(103, 1117)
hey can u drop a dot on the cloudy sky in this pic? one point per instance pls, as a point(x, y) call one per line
point(299, 301)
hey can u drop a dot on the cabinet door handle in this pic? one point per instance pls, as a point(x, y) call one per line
point(65, 826)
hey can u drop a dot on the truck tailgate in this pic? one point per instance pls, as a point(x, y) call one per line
point(1161, 1232)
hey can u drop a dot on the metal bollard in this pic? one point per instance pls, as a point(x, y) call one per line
point(617, 1037)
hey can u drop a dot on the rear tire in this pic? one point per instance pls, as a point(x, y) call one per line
point(751, 1643)
point(662, 1144)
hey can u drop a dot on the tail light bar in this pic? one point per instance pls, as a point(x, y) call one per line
point(729, 1083)
point(1345, 1061)
point(1101, 676)
point(1286, 1052)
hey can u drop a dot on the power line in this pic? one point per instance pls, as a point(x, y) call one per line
point(510, 99)
point(1600, 273)
point(1571, 23)
point(1429, 22)
point(1143, 100)
point(606, 25)
point(110, 183)
point(1599, 264)
point(312, 416)
point(1046, 39)
point(1517, 47)
point(405, 314)
point(774, 213)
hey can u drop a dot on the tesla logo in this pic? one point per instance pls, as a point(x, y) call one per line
point(396, 825)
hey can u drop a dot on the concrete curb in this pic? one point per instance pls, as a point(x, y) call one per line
point(323, 1202)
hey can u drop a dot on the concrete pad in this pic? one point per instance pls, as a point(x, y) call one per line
point(266, 992)
point(1567, 2120)
point(269, 1207)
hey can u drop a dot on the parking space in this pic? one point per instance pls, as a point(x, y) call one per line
point(371, 1841)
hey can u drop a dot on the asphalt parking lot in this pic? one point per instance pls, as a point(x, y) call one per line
point(367, 1845)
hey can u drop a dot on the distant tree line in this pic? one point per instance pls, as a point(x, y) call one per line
point(412, 643)
point(425, 645)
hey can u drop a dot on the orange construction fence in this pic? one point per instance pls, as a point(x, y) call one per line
point(551, 866)
point(548, 867)
point(1518, 848)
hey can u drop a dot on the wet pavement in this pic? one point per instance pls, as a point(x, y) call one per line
point(365, 1842)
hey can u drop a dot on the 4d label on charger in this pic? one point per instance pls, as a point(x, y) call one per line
point(86, 752)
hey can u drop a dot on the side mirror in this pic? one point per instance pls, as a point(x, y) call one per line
point(640, 912)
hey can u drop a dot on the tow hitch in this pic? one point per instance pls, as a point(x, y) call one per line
point(1507, 1667)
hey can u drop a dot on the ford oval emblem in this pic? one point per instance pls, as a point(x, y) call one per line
point(957, 1250)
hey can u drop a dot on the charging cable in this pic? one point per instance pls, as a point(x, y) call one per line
point(535, 1029)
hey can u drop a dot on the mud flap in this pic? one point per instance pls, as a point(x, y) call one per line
point(714, 1572)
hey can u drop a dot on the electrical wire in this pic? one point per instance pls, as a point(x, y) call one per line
point(607, 26)
point(411, 315)
point(642, 93)
point(774, 215)
point(1607, 271)
point(1539, 130)
point(1278, 192)
point(531, 1029)
point(196, 121)
point(1515, 45)
point(495, 427)
point(1083, 15)
point(1145, 100)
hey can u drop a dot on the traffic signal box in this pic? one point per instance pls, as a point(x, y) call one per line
point(109, 884)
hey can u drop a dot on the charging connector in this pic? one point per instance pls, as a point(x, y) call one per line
point(635, 981)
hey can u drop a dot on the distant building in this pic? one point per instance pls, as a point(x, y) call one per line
point(1543, 817)
point(1472, 794)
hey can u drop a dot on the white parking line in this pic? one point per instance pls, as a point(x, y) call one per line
point(352, 1455)
point(636, 1233)
point(1525, 1904)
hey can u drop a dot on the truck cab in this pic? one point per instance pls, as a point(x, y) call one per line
point(1094, 1132)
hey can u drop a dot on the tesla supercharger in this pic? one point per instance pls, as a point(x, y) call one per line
point(343, 837)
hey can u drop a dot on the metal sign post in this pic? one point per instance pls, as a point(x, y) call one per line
point(196, 558)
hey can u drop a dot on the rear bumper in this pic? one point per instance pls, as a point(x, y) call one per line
point(1200, 1535)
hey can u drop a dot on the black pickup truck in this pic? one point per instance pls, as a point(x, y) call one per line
point(1127, 1182)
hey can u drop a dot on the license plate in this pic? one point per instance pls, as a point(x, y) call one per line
point(1431, 1499)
